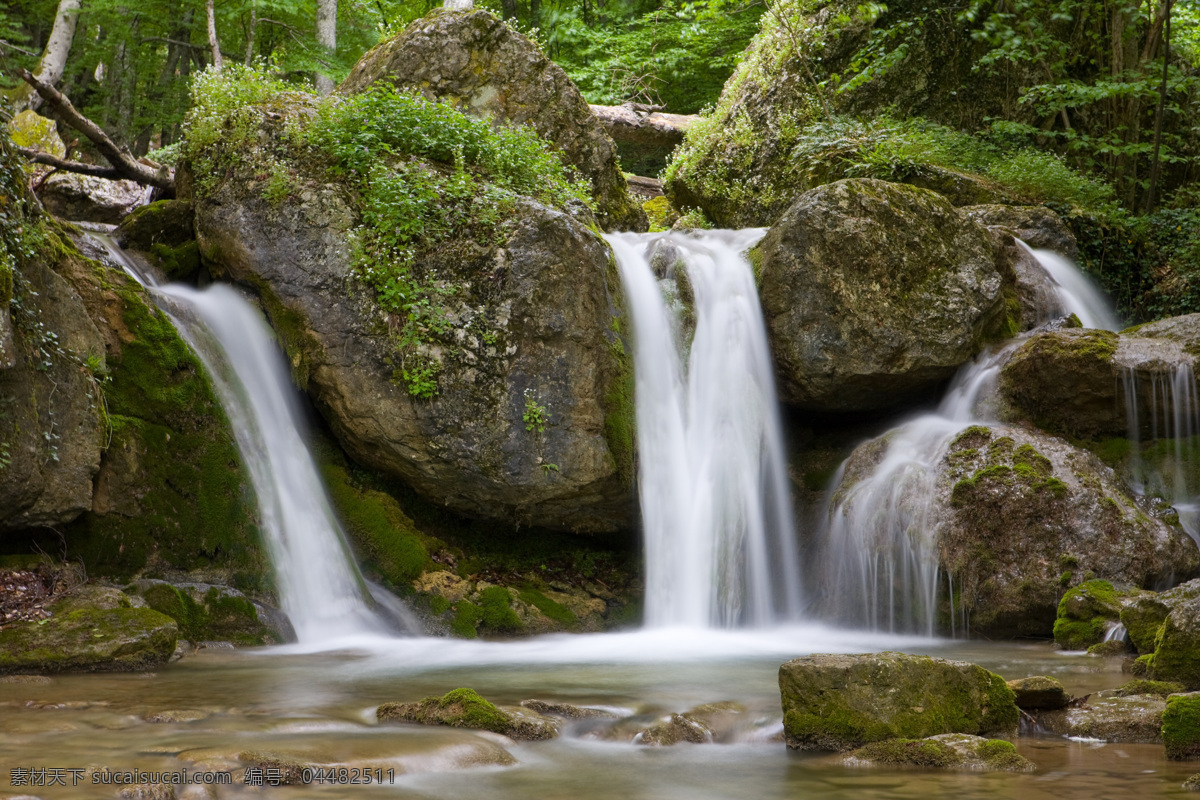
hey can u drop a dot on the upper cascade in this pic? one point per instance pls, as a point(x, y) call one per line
point(716, 511)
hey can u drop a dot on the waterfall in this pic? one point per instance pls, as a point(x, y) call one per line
point(716, 510)
point(880, 537)
point(319, 585)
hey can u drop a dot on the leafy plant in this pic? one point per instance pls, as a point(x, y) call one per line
point(535, 416)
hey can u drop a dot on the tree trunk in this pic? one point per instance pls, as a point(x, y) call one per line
point(250, 34)
point(327, 38)
point(213, 44)
point(54, 57)
point(1161, 111)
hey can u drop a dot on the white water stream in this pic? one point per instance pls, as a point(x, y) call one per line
point(880, 550)
point(319, 585)
point(716, 511)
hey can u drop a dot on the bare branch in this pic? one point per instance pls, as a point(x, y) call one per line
point(95, 170)
point(120, 158)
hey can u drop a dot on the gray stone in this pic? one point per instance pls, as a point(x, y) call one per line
point(83, 198)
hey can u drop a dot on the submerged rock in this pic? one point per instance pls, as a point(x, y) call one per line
point(478, 63)
point(1039, 693)
point(875, 293)
point(1108, 717)
point(86, 636)
point(841, 702)
point(463, 708)
point(954, 751)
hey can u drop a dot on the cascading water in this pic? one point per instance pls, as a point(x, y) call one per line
point(319, 585)
point(880, 541)
point(716, 512)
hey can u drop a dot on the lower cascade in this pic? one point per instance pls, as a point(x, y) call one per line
point(716, 512)
point(879, 543)
point(319, 585)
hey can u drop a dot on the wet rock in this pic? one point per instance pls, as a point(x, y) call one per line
point(1161, 689)
point(1181, 726)
point(1142, 617)
point(875, 293)
point(147, 791)
point(566, 710)
point(1014, 516)
point(1039, 693)
point(205, 612)
point(673, 730)
point(1110, 718)
point(1037, 226)
point(1177, 652)
point(1112, 648)
point(841, 702)
point(1088, 611)
point(176, 715)
point(163, 232)
point(463, 708)
point(1079, 382)
point(1192, 784)
point(952, 751)
point(89, 640)
point(723, 720)
point(476, 62)
point(83, 198)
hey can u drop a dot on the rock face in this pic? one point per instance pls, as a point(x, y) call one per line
point(875, 292)
point(476, 62)
point(533, 419)
point(86, 636)
point(1177, 652)
point(1013, 514)
point(88, 199)
point(839, 702)
point(1079, 382)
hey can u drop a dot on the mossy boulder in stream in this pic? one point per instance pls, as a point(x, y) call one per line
point(464, 708)
point(89, 632)
point(875, 293)
point(1039, 692)
point(952, 751)
point(842, 702)
point(476, 62)
point(1088, 611)
point(214, 613)
point(1181, 726)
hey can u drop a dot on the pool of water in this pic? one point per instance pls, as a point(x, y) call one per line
point(317, 706)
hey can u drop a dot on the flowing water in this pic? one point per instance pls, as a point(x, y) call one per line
point(880, 559)
point(319, 585)
point(716, 512)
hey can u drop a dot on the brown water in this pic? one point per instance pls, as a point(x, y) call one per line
point(319, 708)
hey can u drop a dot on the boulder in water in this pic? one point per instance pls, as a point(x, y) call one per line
point(205, 612)
point(875, 293)
point(464, 708)
point(1110, 717)
point(952, 751)
point(842, 702)
point(1039, 693)
point(1181, 726)
point(478, 63)
point(1088, 611)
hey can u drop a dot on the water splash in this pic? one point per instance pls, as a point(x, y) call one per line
point(716, 511)
point(880, 541)
point(319, 585)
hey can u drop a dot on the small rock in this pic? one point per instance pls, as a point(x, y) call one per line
point(1039, 693)
point(176, 715)
point(945, 751)
point(464, 708)
point(1105, 716)
point(673, 730)
point(566, 710)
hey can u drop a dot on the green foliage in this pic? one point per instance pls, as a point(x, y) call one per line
point(555, 611)
point(496, 613)
point(534, 416)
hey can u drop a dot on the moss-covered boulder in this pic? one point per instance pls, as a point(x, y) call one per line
point(874, 293)
point(1111, 717)
point(464, 708)
point(1088, 612)
point(1181, 727)
point(205, 613)
point(495, 383)
point(1039, 693)
point(1177, 646)
point(89, 632)
point(1014, 517)
point(1080, 382)
point(842, 702)
point(475, 61)
point(1142, 617)
point(953, 751)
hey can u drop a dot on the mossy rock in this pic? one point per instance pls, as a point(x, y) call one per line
point(1161, 689)
point(1177, 649)
point(1039, 693)
point(163, 232)
point(1181, 727)
point(464, 708)
point(842, 702)
point(1086, 613)
point(210, 613)
point(1111, 717)
point(1143, 618)
point(89, 640)
point(945, 751)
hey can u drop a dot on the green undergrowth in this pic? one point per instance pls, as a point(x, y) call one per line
point(418, 172)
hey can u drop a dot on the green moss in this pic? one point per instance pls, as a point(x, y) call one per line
point(660, 213)
point(496, 613)
point(1085, 614)
point(89, 639)
point(928, 753)
point(554, 611)
point(382, 533)
point(1143, 686)
point(219, 616)
point(1181, 727)
point(460, 708)
point(466, 617)
point(1002, 756)
point(1143, 665)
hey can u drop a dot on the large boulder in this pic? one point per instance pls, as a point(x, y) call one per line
point(1090, 383)
point(89, 199)
point(875, 292)
point(842, 702)
point(475, 61)
point(1037, 226)
point(1013, 516)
